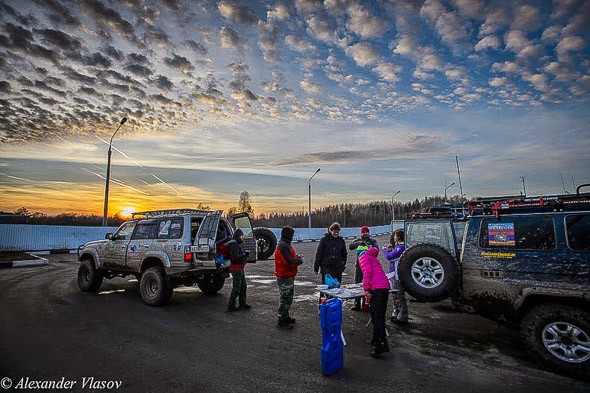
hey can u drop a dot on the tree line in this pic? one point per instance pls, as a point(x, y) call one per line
point(347, 214)
point(350, 214)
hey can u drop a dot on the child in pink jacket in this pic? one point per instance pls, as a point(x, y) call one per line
point(376, 286)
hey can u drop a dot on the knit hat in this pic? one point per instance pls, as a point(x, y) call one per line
point(360, 250)
point(287, 233)
point(238, 233)
point(334, 226)
point(365, 229)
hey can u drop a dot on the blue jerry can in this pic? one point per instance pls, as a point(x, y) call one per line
point(332, 351)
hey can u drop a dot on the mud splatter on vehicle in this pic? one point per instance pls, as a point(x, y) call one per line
point(522, 261)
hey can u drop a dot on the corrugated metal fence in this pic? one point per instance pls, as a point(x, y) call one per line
point(19, 237)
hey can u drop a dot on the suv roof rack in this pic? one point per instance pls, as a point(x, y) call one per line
point(169, 212)
point(522, 204)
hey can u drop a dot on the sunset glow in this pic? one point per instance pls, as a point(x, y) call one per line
point(226, 96)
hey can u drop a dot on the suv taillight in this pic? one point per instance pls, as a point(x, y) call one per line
point(188, 257)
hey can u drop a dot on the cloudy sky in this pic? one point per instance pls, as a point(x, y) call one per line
point(226, 96)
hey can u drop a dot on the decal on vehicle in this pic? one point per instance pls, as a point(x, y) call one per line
point(501, 234)
point(164, 228)
point(134, 250)
point(177, 246)
point(499, 255)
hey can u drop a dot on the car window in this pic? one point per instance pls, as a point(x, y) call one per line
point(170, 228)
point(578, 231)
point(124, 232)
point(244, 224)
point(518, 233)
point(195, 227)
point(145, 230)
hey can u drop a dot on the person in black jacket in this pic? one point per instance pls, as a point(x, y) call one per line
point(238, 258)
point(330, 256)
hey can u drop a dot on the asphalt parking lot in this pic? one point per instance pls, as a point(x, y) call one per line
point(112, 341)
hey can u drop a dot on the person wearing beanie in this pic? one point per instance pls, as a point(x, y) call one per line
point(330, 256)
point(286, 264)
point(376, 286)
point(238, 258)
point(366, 238)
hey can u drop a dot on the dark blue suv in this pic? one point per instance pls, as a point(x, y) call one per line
point(523, 261)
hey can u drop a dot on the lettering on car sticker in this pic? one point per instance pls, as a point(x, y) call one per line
point(499, 255)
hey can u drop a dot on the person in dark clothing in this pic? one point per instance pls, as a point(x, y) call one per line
point(366, 238)
point(238, 257)
point(330, 256)
point(286, 264)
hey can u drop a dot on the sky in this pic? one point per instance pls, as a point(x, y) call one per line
point(227, 96)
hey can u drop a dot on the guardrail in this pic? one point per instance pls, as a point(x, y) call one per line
point(55, 238)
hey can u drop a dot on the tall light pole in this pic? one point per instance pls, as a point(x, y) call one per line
point(523, 185)
point(392, 208)
point(446, 188)
point(309, 194)
point(108, 177)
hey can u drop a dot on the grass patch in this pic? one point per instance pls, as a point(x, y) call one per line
point(9, 256)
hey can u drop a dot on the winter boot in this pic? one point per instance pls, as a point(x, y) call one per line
point(284, 323)
point(381, 346)
point(290, 320)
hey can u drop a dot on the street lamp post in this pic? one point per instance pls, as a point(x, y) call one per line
point(309, 194)
point(108, 177)
point(392, 208)
point(446, 188)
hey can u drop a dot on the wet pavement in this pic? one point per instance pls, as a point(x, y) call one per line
point(52, 332)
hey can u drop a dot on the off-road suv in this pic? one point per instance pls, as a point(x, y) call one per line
point(164, 249)
point(522, 261)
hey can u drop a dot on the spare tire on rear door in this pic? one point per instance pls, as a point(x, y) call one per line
point(266, 242)
point(428, 272)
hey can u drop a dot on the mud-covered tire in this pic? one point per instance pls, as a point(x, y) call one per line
point(154, 288)
point(89, 277)
point(266, 242)
point(212, 283)
point(428, 272)
point(559, 336)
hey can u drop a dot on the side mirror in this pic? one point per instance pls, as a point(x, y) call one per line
point(109, 236)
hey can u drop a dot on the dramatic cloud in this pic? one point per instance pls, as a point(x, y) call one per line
point(237, 14)
point(363, 53)
point(265, 70)
point(363, 23)
point(491, 42)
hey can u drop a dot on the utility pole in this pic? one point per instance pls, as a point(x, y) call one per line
point(446, 188)
point(393, 208)
point(309, 195)
point(108, 177)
